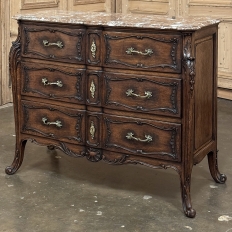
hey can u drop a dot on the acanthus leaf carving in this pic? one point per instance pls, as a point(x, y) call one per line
point(189, 63)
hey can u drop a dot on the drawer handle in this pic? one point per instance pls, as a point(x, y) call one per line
point(59, 44)
point(147, 52)
point(57, 122)
point(92, 130)
point(130, 92)
point(58, 83)
point(130, 136)
point(93, 49)
point(92, 89)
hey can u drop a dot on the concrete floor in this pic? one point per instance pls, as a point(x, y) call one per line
point(54, 192)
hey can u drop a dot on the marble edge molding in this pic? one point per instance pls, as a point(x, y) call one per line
point(119, 20)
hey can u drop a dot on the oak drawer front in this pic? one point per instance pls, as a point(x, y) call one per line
point(55, 122)
point(53, 82)
point(142, 137)
point(158, 52)
point(53, 43)
point(140, 93)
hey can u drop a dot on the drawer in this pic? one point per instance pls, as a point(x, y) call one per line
point(143, 93)
point(157, 52)
point(141, 137)
point(53, 43)
point(53, 82)
point(55, 122)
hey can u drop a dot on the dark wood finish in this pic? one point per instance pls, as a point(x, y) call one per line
point(164, 98)
point(62, 83)
point(165, 53)
point(156, 139)
point(71, 49)
point(151, 107)
point(71, 123)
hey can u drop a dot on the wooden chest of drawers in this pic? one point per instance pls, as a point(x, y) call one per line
point(122, 89)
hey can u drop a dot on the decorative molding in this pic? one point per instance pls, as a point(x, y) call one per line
point(77, 116)
point(186, 201)
point(93, 155)
point(79, 35)
point(157, 7)
point(96, 80)
point(78, 75)
point(61, 146)
point(173, 46)
point(96, 37)
point(26, 5)
point(117, 161)
point(189, 62)
point(171, 132)
point(173, 97)
point(94, 124)
point(160, 166)
point(85, 2)
point(211, 3)
point(14, 59)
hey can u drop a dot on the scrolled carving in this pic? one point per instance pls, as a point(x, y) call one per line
point(116, 161)
point(158, 166)
point(18, 158)
point(173, 109)
point(78, 35)
point(14, 59)
point(186, 201)
point(173, 45)
point(26, 87)
point(189, 63)
point(93, 155)
point(213, 167)
point(77, 116)
point(170, 131)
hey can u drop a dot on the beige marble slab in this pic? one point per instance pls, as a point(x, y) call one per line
point(119, 20)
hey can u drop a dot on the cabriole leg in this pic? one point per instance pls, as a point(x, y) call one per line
point(18, 159)
point(213, 167)
point(185, 182)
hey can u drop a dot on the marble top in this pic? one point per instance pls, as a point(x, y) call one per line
point(119, 20)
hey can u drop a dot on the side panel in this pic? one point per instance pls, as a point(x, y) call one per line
point(204, 93)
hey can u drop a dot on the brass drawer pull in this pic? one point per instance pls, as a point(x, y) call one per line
point(92, 130)
point(57, 122)
point(130, 136)
point(93, 49)
point(59, 44)
point(58, 83)
point(130, 92)
point(147, 52)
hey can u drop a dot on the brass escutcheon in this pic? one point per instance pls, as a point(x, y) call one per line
point(92, 89)
point(93, 49)
point(92, 130)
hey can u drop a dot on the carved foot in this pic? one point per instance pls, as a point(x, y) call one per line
point(186, 198)
point(213, 167)
point(18, 159)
